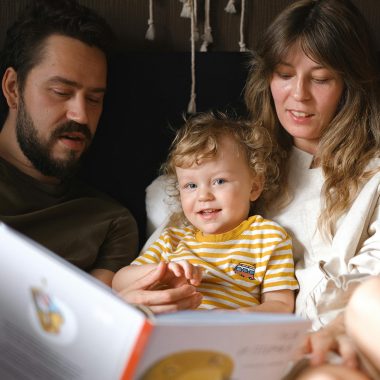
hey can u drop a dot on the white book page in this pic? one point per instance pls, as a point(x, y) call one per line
point(57, 322)
point(216, 345)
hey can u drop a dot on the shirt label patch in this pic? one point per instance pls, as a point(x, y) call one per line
point(245, 270)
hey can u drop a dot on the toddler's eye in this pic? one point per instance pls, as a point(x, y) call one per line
point(219, 181)
point(190, 186)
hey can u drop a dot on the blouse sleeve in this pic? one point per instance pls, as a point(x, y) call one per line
point(367, 260)
point(356, 248)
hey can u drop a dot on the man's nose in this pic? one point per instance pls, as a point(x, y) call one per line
point(77, 110)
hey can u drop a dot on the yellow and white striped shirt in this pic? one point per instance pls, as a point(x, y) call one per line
point(239, 265)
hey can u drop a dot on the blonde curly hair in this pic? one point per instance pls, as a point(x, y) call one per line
point(200, 137)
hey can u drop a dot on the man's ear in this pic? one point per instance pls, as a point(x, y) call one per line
point(257, 187)
point(10, 87)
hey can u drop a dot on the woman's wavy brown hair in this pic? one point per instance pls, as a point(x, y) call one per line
point(200, 137)
point(334, 34)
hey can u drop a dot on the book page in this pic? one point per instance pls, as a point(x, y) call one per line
point(216, 345)
point(57, 322)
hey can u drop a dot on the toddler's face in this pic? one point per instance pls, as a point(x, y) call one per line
point(216, 193)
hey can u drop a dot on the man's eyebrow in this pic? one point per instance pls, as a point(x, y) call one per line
point(68, 82)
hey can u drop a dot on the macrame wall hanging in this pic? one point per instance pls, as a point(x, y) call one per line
point(190, 10)
point(242, 14)
point(231, 8)
point(192, 108)
point(150, 33)
point(207, 36)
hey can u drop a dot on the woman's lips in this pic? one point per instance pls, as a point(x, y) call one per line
point(300, 116)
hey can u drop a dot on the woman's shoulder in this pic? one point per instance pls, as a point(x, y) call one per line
point(372, 175)
point(374, 165)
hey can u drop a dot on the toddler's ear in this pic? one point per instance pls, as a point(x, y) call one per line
point(257, 188)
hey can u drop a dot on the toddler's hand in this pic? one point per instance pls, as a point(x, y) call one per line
point(191, 272)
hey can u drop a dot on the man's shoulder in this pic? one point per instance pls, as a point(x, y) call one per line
point(80, 189)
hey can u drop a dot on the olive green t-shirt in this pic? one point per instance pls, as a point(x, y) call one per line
point(77, 222)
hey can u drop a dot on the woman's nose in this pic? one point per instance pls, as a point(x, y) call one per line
point(301, 90)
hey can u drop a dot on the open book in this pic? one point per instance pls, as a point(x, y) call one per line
point(57, 322)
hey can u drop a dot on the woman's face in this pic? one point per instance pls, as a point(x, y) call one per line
point(306, 96)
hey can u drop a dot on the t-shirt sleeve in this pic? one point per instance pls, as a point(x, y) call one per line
point(120, 244)
point(156, 252)
point(279, 274)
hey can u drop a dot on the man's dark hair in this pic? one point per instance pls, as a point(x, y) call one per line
point(25, 39)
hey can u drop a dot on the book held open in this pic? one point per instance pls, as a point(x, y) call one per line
point(58, 322)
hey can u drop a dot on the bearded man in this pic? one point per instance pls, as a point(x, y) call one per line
point(54, 70)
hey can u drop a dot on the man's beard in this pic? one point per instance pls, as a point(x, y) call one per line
point(39, 152)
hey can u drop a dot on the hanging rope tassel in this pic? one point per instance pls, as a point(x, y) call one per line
point(196, 30)
point(191, 108)
point(230, 7)
point(150, 33)
point(241, 42)
point(186, 9)
point(207, 37)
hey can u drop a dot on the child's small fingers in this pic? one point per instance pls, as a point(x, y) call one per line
point(198, 273)
point(187, 269)
point(197, 276)
point(176, 269)
point(194, 282)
